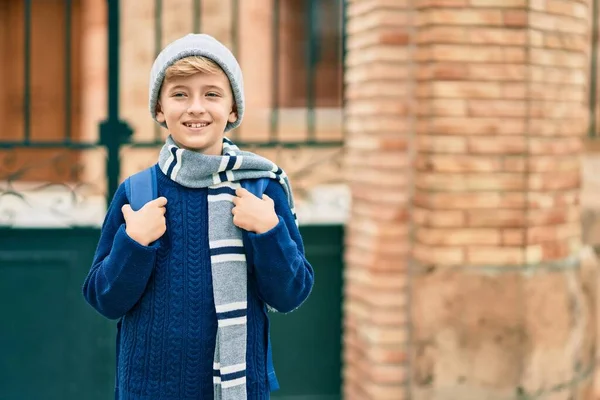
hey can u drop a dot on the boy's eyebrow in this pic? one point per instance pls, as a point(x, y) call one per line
point(213, 87)
point(205, 87)
point(178, 87)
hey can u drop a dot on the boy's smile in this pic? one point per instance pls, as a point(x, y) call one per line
point(196, 110)
point(196, 125)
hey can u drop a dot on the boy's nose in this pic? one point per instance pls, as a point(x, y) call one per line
point(196, 107)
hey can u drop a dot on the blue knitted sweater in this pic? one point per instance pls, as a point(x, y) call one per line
point(163, 293)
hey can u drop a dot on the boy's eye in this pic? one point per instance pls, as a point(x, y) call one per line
point(178, 94)
point(212, 94)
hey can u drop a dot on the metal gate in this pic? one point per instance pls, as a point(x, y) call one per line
point(57, 175)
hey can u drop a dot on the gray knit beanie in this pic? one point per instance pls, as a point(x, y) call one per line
point(198, 45)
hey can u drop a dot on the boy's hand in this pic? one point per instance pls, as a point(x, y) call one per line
point(148, 223)
point(253, 214)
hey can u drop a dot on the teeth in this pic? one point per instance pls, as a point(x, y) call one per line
point(196, 125)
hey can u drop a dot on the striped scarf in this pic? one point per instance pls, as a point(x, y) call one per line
point(221, 175)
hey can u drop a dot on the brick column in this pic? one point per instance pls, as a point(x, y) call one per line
point(499, 305)
point(378, 121)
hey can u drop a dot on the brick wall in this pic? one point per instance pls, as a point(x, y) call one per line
point(488, 96)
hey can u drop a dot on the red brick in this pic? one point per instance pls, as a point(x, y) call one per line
point(498, 218)
point(443, 256)
point(499, 3)
point(441, 34)
point(482, 125)
point(441, 3)
point(553, 199)
point(497, 145)
point(548, 217)
point(495, 255)
point(514, 91)
point(394, 107)
point(497, 72)
point(513, 237)
point(442, 144)
point(470, 201)
point(499, 108)
point(448, 107)
point(472, 90)
point(438, 218)
point(462, 16)
point(496, 36)
point(515, 18)
point(457, 237)
point(556, 180)
point(470, 182)
point(468, 53)
point(515, 164)
point(554, 233)
point(457, 163)
point(380, 125)
point(358, 257)
point(555, 146)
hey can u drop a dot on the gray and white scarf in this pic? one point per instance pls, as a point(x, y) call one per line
point(222, 175)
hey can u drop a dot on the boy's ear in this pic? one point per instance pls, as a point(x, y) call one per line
point(233, 116)
point(160, 116)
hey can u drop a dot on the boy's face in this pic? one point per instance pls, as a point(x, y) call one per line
point(196, 110)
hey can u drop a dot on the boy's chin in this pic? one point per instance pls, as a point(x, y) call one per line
point(199, 146)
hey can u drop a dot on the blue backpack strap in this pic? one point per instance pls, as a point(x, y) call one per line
point(141, 188)
point(256, 186)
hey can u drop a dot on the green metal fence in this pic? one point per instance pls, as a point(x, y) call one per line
point(53, 345)
point(115, 132)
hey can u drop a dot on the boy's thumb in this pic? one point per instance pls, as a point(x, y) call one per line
point(126, 210)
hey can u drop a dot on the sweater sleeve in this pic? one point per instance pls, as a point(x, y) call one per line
point(284, 276)
point(121, 266)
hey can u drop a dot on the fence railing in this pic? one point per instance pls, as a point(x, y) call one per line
point(48, 93)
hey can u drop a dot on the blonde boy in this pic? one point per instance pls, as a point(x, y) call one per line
point(191, 274)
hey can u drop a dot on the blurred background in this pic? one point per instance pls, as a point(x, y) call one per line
point(444, 155)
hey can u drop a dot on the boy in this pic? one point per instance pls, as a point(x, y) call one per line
point(190, 275)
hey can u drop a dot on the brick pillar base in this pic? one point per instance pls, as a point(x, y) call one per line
point(489, 96)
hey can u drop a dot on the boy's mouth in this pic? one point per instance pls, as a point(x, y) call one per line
point(196, 125)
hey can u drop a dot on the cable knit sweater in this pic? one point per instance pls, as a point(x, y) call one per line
point(163, 293)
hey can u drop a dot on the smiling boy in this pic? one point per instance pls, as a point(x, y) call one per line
point(191, 274)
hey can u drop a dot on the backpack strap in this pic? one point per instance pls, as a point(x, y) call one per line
point(256, 186)
point(141, 188)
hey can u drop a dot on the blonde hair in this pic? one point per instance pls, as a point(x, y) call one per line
point(189, 66)
point(192, 65)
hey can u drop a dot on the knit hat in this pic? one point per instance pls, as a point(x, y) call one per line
point(198, 45)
